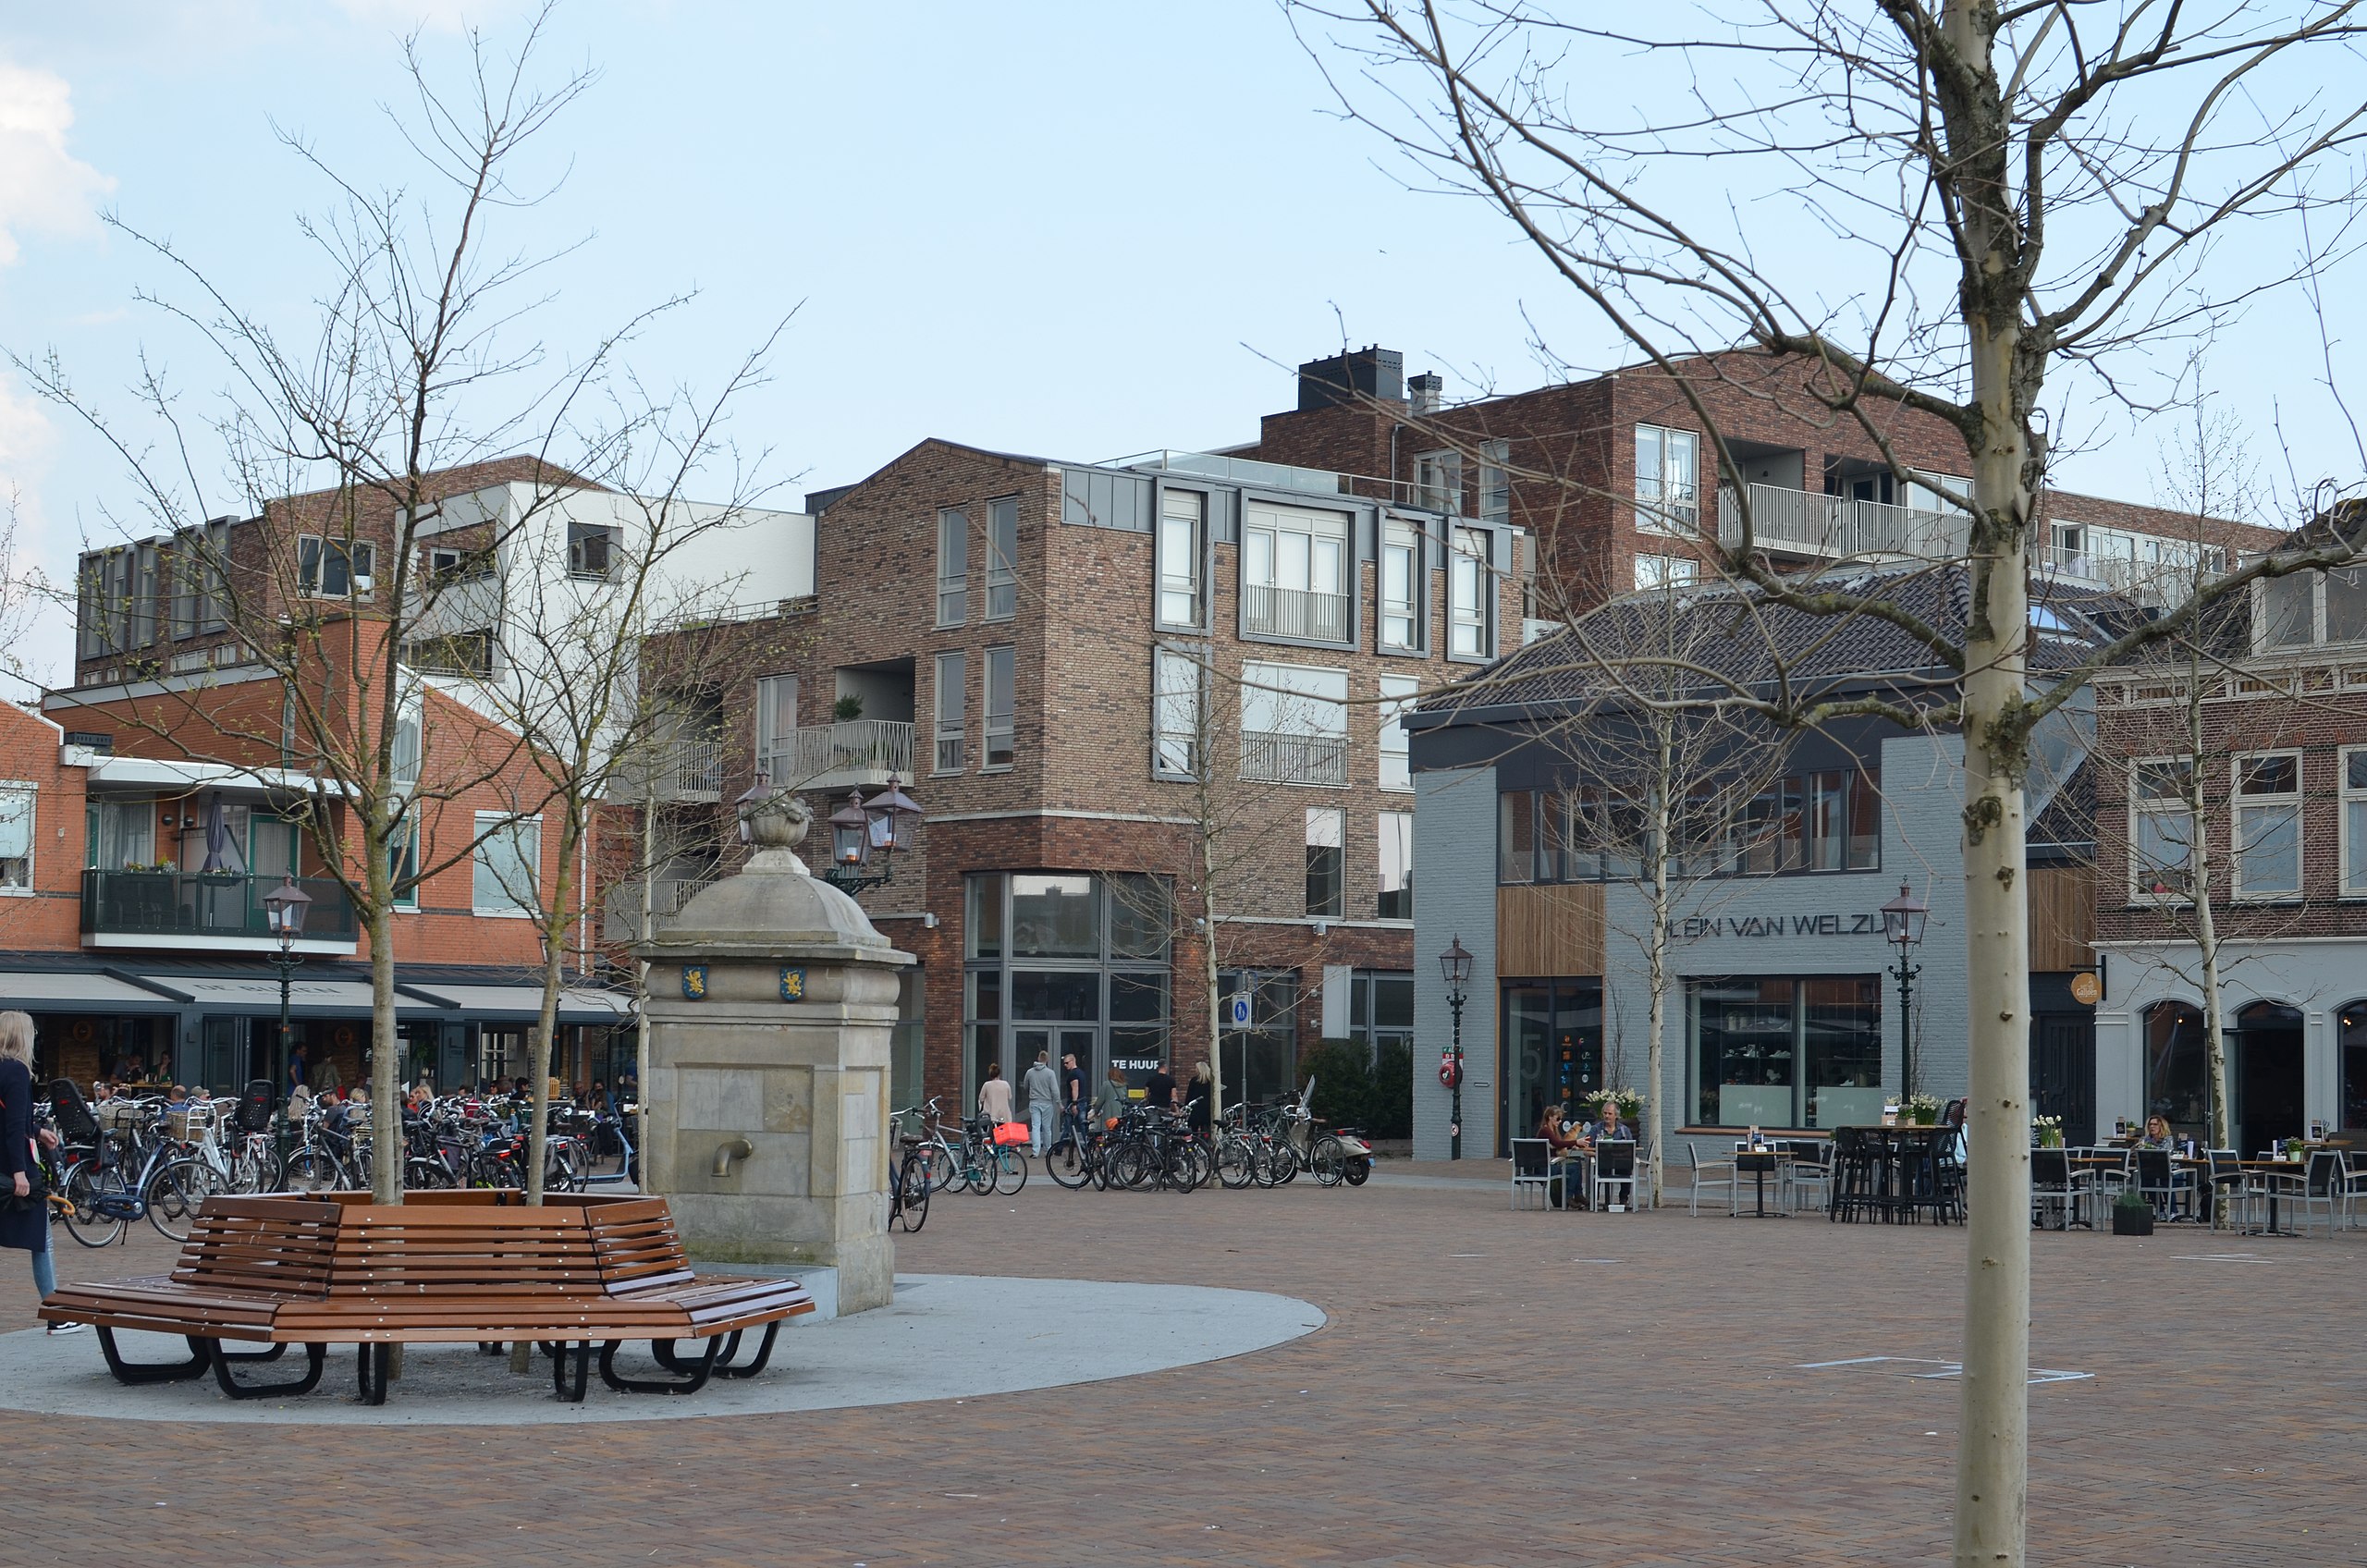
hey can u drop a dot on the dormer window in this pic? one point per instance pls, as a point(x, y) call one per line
point(2307, 608)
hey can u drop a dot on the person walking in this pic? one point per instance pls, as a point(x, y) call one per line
point(1043, 1086)
point(325, 1076)
point(994, 1098)
point(24, 1216)
point(1197, 1096)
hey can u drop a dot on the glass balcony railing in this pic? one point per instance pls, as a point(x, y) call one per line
point(170, 904)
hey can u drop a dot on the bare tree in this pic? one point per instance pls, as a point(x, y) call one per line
point(2030, 192)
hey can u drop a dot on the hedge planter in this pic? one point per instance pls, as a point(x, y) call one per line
point(2132, 1219)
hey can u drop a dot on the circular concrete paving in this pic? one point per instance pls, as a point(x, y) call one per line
point(947, 1336)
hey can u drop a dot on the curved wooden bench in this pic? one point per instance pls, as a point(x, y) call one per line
point(474, 1267)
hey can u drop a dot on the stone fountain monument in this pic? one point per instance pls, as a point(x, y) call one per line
point(771, 1002)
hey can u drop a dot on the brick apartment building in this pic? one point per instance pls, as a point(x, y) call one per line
point(180, 794)
point(1076, 669)
point(2281, 761)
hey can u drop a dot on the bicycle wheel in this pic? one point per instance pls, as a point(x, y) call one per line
point(312, 1168)
point(978, 1169)
point(944, 1167)
point(1065, 1163)
point(1010, 1170)
point(913, 1190)
point(567, 1173)
point(176, 1192)
point(1282, 1165)
point(1236, 1165)
point(1328, 1161)
point(86, 1185)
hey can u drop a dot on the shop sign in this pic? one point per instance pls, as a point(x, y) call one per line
point(1785, 927)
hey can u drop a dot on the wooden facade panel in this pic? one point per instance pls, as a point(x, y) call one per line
point(1550, 930)
point(2063, 918)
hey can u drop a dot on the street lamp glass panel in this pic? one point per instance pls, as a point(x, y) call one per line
point(1456, 965)
point(284, 909)
point(893, 817)
point(1903, 918)
point(850, 831)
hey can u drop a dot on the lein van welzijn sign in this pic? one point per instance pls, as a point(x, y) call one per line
point(1780, 927)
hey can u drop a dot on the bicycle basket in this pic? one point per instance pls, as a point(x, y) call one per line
point(117, 1115)
point(187, 1124)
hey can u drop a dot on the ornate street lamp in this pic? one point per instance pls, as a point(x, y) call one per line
point(862, 830)
point(1903, 920)
point(283, 908)
point(1455, 964)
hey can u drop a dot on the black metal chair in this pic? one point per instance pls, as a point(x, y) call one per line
point(1854, 1176)
point(1615, 1167)
point(2160, 1181)
point(2055, 1185)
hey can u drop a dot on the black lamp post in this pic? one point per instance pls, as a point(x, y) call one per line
point(861, 830)
point(1456, 965)
point(1903, 920)
point(284, 909)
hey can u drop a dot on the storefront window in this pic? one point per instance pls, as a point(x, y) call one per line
point(1788, 1052)
point(1054, 917)
point(2177, 1077)
point(2354, 1066)
point(1842, 1036)
point(1068, 964)
point(1553, 1045)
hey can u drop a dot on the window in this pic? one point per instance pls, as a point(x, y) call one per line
point(1667, 495)
point(103, 615)
point(1665, 571)
point(509, 860)
point(402, 862)
point(2345, 592)
point(1294, 724)
point(121, 834)
point(17, 837)
point(195, 573)
point(144, 626)
point(776, 730)
point(1002, 705)
point(2161, 828)
point(1178, 713)
point(2354, 825)
point(1438, 482)
point(1003, 558)
point(1397, 696)
point(1516, 837)
point(334, 568)
point(952, 567)
point(1396, 900)
point(1294, 573)
point(451, 652)
point(1495, 481)
point(952, 711)
point(410, 717)
point(1467, 595)
point(1326, 860)
point(2268, 827)
point(1786, 1053)
point(1401, 587)
point(589, 549)
point(1803, 822)
point(1181, 558)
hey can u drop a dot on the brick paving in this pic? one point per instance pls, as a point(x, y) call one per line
point(1492, 1388)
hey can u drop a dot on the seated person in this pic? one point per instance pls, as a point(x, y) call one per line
point(2157, 1134)
point(1561, 1147)
point(1610, 1128)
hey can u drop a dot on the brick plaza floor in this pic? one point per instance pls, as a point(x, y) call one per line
point(1493, 1387)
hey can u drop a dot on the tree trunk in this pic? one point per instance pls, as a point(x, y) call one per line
point(2206, 925)
point(1994, 1436)
point(1209, 973)
point(1663, 796)
point(385, 1067)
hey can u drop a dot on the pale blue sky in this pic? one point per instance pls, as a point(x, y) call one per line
point(1075, 229)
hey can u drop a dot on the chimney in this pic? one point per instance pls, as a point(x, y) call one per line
point(1426, 388)
point(1371, 372)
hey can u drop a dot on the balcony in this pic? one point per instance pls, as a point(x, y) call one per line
point(215, 910)
point(1268, 611)
point(2155, 583)
point(1801, 522)
point(685, 772)
point(852, 753)
point(1272, 756)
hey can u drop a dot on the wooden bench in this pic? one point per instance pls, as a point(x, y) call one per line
point(460, 1267)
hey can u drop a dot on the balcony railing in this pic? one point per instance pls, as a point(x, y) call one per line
point(857, 752)
point(1294, 612)
point(682, 770)
point(1802, 522)
point(1272, 756)
point(169, 905)
point(2149, 582)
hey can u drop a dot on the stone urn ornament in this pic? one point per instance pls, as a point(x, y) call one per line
point(775, 824)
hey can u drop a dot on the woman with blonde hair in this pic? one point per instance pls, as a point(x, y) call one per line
point(24, 1206)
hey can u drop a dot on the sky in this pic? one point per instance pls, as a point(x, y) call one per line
point(1076, 230)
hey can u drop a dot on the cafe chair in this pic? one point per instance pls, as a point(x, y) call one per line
point(2354, 1189)
point(1532, 1171)
point(2233, 1191)
point(1615, 1172)
point(2108, 1170)
point(1852, 1192)
point(2321, 1187)
point(2161, 1184)
point(1807, 1171)
point(2056, 1187)
point(1715, 1174)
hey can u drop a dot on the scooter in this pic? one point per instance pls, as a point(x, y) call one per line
point(1333, 1155)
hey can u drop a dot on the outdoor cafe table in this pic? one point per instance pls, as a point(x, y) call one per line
point(1759, 1163)
point(2273, 1167)
point(1896, 1148)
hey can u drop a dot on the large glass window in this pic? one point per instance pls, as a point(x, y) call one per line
point(1069, 964)
point(952, 711)
point(1003, 558)
point(508, 863)
point(1401, 587)
point(1553, 1050)
point(1438, 482)
point(775, 731)
point(1178, 713)
point(1182, 558)
point(1260, 1063)
point(1395, 901)
point(17, 835)
point(2161, 828)
point(1469, 599)
point(1380, 1008)
point(2354, 822)
point(1824, 821)
point(952, 567)
point(2353, 1023)
point(331, 569)
point(1003, 699)
point(1055, 916)
point(1397, 696)
point(1294, 724)
point(1667, 493)
point(1294, 573)
point(2178, 1078)
point(2268, 826)
point(1495, 481)
point(1772, 1052)
point(1326, 862)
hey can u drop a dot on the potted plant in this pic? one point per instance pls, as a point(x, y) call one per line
point(2294, 1148)
point(1922, 1110)
point(2047, 1131)
point(847, 708)
point(2131, 1214)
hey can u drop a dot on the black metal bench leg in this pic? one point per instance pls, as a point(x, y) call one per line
point(577, 1358)
point(662, 1351)
point(273, 1353)
point(371, 1368)
point(176, 1372)
point(723, 1368)
point(316, 1356)
point(695, 1379)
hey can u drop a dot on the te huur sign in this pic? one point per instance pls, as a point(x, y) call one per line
point(1779, 927)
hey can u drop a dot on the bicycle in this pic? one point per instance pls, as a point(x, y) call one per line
point(990, 1167)
point(1075, 1159)
point(941, 1157)
point(909, 1189)
point(102, 1200)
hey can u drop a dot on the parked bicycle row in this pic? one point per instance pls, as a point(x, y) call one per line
point(129, 1157)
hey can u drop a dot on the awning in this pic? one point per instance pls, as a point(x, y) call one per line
point(78, 991)
point(306, 998)
point(519, 1004)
